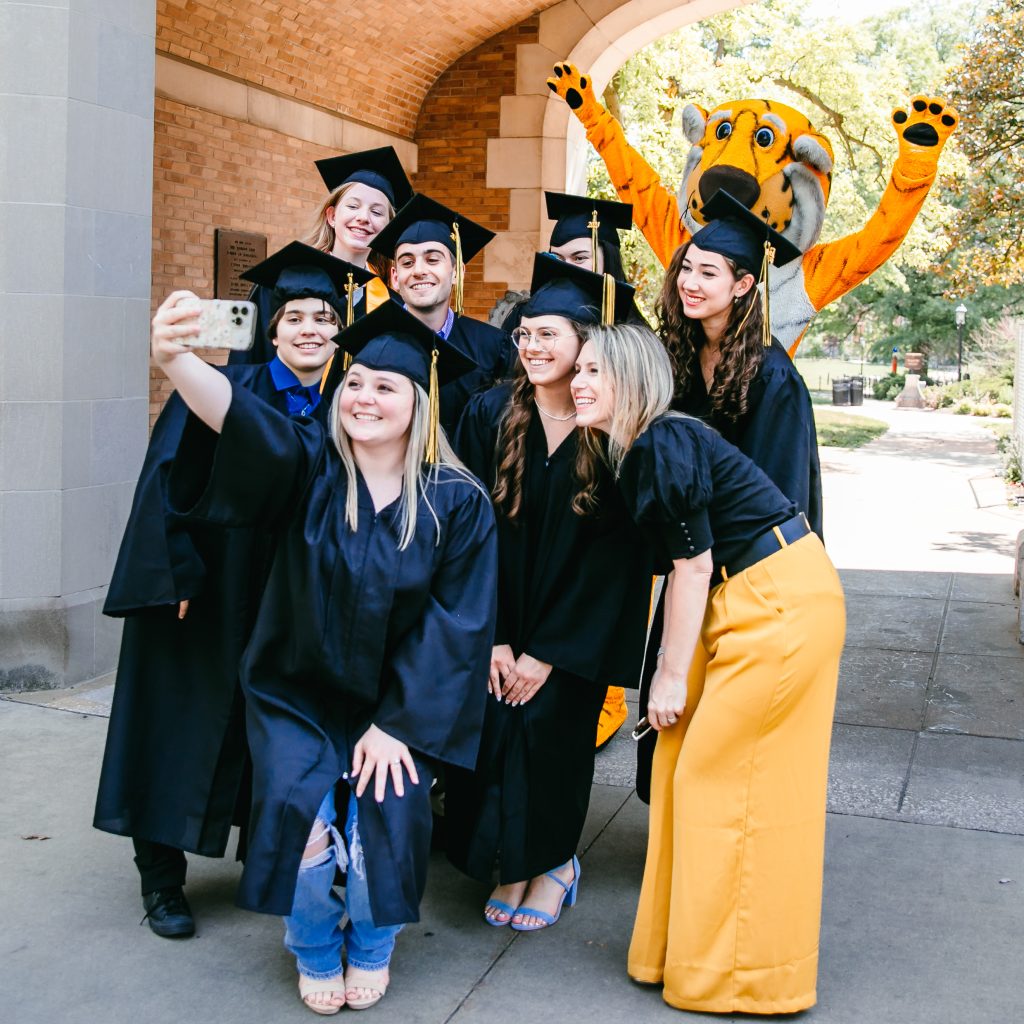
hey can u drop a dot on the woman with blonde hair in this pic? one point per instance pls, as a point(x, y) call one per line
point(374, 632)
point(364, 191)
point(742, 697)
point(573, 589)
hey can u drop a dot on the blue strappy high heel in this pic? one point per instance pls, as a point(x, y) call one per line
point(504, 908)
point(568, 897)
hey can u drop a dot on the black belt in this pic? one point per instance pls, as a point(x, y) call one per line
point(767, 544)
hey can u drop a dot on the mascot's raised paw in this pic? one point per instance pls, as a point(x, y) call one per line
point(575, 87)
point(924, 128)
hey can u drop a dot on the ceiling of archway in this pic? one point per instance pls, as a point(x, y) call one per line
point(372, 60)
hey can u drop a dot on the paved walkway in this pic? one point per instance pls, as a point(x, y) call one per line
point(924, 891)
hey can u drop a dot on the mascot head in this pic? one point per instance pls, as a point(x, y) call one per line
point(765, 154)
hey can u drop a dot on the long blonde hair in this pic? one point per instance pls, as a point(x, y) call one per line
point(322, 235)
point(633, 363)
point(418, 476)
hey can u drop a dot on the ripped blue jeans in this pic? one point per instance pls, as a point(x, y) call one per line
point(314, 932)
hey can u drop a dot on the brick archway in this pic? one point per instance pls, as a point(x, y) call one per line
point(248, 94)
point(540, 145)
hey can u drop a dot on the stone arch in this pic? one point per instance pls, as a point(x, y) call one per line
point(540, 145)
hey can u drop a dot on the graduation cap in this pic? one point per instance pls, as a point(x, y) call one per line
point(733, 230)
point(379, 168)
point(581, 216)
point(561, 289)
point(299, 271)
point(392, 339)
point(423, 219)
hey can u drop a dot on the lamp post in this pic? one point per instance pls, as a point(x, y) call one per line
point(960, 313)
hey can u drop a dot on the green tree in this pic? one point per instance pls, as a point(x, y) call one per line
point(914, 316)
point(988, 230)
point(845, 77)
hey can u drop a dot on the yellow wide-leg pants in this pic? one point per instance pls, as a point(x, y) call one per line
point(730, 906)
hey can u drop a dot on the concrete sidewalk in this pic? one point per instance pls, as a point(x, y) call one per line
point(924, 910)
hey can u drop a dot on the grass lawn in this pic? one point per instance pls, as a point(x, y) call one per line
point(841, 430)
point(818, 374)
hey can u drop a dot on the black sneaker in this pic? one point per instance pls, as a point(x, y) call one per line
point(168, 913)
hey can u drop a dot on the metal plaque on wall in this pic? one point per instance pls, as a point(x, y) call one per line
point(234, 253)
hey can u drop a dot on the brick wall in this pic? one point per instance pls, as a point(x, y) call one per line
point(213, 172)
point(461, 112)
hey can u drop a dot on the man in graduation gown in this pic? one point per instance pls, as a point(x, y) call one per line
point(430, 245)
point(175, 764)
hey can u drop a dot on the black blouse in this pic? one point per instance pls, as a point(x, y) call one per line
point(695, 491)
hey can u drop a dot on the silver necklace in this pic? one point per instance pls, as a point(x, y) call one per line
point(551, 416)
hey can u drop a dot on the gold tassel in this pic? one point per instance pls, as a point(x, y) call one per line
point(593, 225)
point(350, 317)
point(350, 306)
point(460, 270)
point(766, 322)
point(433, 412)
point(608, 300)
point(327, 370)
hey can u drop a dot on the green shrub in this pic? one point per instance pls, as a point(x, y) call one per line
point(963, 408)
point(983, 391)
point(888, 387)
point(1002, 412)
point(1012, 456)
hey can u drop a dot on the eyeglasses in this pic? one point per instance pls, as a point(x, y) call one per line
point(544, 338)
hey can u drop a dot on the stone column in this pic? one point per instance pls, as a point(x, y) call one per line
point(76, 117)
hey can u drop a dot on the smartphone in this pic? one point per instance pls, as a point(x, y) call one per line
point(223, 323)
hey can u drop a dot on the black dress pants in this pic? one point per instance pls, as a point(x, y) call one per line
point(160, 867)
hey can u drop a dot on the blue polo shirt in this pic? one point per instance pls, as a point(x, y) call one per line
point(302, 399)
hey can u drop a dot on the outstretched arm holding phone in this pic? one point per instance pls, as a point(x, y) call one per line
point(205, 391)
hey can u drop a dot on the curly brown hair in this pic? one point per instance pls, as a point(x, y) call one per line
point(511, 454)
point(741, 346)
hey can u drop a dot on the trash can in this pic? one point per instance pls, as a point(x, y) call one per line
point(856, 391)
point(841, 391)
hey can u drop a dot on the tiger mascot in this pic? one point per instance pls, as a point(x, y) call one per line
point(769, 157)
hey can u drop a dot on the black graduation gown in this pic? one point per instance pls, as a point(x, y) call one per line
point(346, 613)
point(777, 434)
point(777, 431)
point(573, 591)
point(176, 754)
point(491, 349)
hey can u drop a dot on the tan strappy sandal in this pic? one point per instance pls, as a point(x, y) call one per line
point(375, 982)
point(315, 986)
